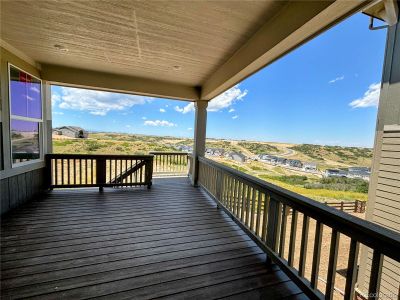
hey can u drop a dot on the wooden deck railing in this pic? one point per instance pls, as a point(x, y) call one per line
point(262, 210)
point(89, 170)
point(170, 163)
point(355, 206)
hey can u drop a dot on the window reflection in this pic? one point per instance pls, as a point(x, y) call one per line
point(25, 92)
point(25, 140)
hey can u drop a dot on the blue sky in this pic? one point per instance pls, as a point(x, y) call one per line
point(325, 92)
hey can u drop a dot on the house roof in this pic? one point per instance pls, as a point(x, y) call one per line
point(72, 128)
point(176, 49)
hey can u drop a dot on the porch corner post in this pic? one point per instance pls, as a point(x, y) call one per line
point(47, 119)
point(199, 147)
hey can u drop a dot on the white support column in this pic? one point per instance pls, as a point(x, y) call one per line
point(47, 119)
point(200, 126)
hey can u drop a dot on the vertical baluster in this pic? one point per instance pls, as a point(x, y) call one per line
point(265, 217)
point(80, 171)
point(303, 246)
point(86, 171)
point(316, 254)
point(90, 163)
point(243, 203)
point(234, 210)
point(282, 238)
point(249, 191)
point(333, 254)
point(230, 205)
point(376, 273)
point(141, 175)
point(114, 171)
point(56, 171)
point(292, 242)
point(351, 275)
point(110, 170)
point(258, 220)
point(62, 171)
point(120, 170)
point(68, 171)
point(74, 170)
point(239, 199)
point(253, 203)
point(136, 173)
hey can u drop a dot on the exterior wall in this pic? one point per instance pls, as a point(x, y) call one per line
point(19, 189)
point(19, 184)
point(383, 205)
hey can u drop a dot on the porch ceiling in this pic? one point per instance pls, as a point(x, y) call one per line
point(196, 48)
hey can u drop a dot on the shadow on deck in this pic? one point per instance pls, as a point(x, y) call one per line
point(167, 242)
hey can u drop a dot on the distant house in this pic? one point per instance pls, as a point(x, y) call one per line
point(309, 166)
point(237, 156)
point(281, 161)
point(359, 172)
point(335, 173)
point(71, 131)
point(185, 148)
point(359, 169)
point(294, 163)
point(215, 151)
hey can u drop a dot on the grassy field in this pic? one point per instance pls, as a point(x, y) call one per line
point(303, 183)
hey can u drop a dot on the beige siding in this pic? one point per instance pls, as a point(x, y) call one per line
point(386, 210)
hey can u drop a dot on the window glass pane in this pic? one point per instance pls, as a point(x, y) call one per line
point(25, 140)
point(25, 93)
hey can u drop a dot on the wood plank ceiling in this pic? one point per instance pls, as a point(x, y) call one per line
point(175, 41)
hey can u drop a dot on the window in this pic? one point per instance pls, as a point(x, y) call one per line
point(25, 116)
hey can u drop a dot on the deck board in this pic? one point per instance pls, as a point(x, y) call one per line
point(167, 242)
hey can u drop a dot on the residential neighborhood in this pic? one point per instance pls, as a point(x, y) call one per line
point(352, 172)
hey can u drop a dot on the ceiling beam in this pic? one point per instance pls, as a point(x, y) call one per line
point(81, 78)
point(292, 26)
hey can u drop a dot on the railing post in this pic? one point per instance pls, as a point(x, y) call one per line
point(100, 173)
point(273, 225)
point(149, 172)
point(48, 172)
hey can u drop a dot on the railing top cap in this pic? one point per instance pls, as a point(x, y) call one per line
point(66, 155)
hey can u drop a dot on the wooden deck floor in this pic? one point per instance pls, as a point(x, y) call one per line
point(167, 242)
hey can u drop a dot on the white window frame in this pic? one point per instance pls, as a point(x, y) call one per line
point(14, 117)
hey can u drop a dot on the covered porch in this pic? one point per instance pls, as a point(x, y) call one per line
point(217, 233)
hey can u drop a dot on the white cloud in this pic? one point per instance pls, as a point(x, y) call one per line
point(222, 101)
point(35, 89)
point(190, 128)
point(370, 98)
point(231, 110)
point(162, 110)
point(144, 118)
point(158, 123)
point(96, 102)
point(58, 113)
point(336, 79)
point(55, 98)
point(235, 117)
point(128, 126)
point(185, 109)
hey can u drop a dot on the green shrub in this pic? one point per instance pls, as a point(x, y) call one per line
point(340, 184)
point(258, 148)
